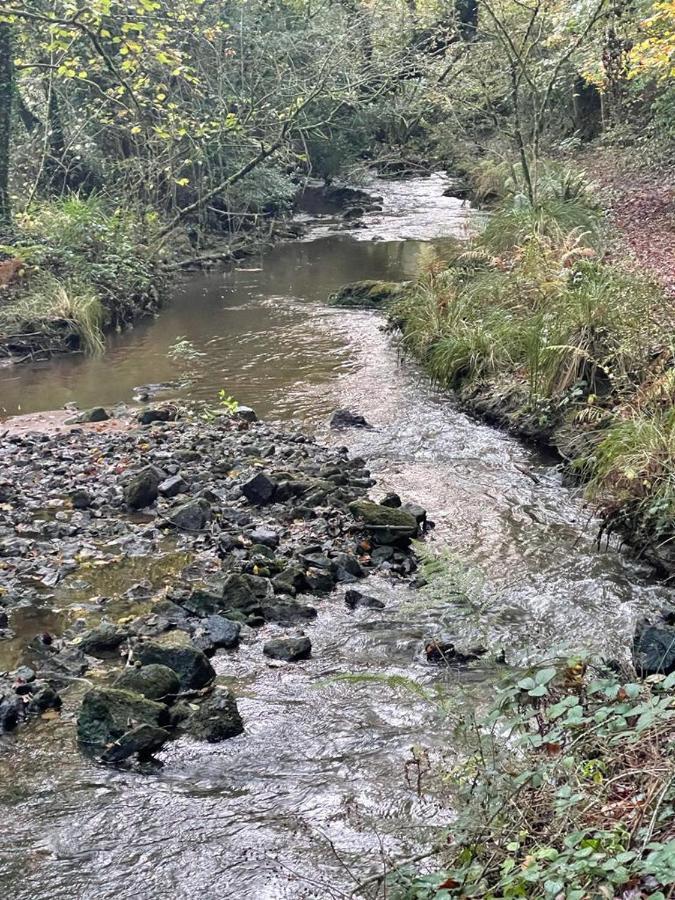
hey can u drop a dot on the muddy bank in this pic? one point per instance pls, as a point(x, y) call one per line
point(243, 526)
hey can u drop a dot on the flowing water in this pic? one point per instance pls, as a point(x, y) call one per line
point(317, 791)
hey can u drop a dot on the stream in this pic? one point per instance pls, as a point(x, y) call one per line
point(316, 794)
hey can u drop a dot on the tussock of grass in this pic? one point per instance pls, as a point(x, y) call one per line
point(49, 305)
point(87, 267)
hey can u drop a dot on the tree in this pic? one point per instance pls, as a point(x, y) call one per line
point(6, 105)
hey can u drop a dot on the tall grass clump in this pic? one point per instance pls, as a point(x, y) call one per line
point(87, 267)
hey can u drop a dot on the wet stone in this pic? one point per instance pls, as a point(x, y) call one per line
point(259, 489)
point(172, 486)
point(142, 488)
point(190, 664)
point(355, 599)
point(217, 718)
point(290, 649)
point(154, 682)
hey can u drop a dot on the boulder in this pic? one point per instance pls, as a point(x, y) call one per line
point(216, 632)
point(172, 486)
point(190, 664)
point(356, 598)
point(107, 714)
point(190, 516)
point(290, 580)
point(142, 488)
point(244, 594)
point(217, 718)
point(103, 641)
point(654, 649)
point(268, 537)
point(288, 649)
point(285, 611)
point(387, 524)
point(80, 499)
point(368, 294)
point(154, 682)
point(142, 741)
point(260, 489)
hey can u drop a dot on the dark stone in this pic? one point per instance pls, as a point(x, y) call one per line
point(392, 500)
point(106, 714)
point(216, 632)
point(343, 418)
point(287, 612)
point(190, 664)
point(103, 641)
point(154, 682)
point(172, 486)
point(356, 598)
point(11, 709)
point(290, 580)
point(142, 741)
point(142, 489)
point(245, 414)
point(80, 499)
point(445, 652)
point(418, 512)
point(190, 516)
point(654, 649)
point(159, 414)
point(319, 580)
point(265, 536)
point(245, 593)
point(288, 649)
point(217, 718)
point(259, 489)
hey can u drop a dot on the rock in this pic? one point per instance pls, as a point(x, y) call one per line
point(158, 414)
point(216, 632)
point(103, 641)
point(418, 512)
point(61, 667)
point(245, 414)
point(217, 718)
point(11, 710)
point(142, 489)
point(386, 524)
point(369, 294)
point(190, 664)
point(172, 486)
point(354, 212)
point(259, 489)
point(320, 581)
point(653, 649)
point(287, 612)
point(154, 682)
point(80, 499)
point(245, 594)
point(191, 516)
point(96, 414)
point(142, 741)
point(107, 714)
point(344, 418)
point(356, 598)
point(445, 652)
point(290, 580)
point(392, 500)
point(268, 537)
point(288, 649)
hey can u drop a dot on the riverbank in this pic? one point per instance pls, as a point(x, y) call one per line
point(539, 331)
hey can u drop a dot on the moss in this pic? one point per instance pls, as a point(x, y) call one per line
point(368, 294)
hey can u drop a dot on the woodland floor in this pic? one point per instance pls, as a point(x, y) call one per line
point(641, 204)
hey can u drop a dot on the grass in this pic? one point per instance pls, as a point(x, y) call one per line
point(87, 268)
point(531, 310)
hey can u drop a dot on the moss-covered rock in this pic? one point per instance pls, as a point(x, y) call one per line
point(387, 525)
point(368, 294)
point(216, 719)
point(190, 664)
point(107, 714)
point(154, 682)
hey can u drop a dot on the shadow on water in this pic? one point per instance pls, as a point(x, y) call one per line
point(305, 802)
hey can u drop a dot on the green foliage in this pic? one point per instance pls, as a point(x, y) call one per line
point(569, 792)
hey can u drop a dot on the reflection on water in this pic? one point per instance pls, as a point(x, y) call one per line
point(304, 803)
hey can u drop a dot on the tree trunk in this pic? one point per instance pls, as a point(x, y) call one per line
point(6, 97)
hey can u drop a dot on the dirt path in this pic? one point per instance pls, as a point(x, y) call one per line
point(641, 203)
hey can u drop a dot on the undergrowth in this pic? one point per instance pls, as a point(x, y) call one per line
point(567, 793)
point(85, 268)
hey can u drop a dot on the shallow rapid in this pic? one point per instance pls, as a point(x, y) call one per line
point(316, 793)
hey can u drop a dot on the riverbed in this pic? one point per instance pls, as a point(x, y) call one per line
point(316, 794)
